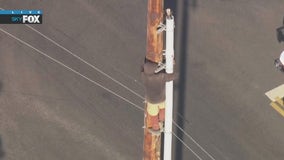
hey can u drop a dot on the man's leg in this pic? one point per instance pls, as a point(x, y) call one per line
point(153, 113)
point(162, 106)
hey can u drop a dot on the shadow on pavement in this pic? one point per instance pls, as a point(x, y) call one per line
point(1, 87)
point(182, 48)
point(2, 153)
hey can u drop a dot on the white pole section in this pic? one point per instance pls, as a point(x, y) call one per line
point(169, 85)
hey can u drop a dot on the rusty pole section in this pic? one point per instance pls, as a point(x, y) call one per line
point(152, 143)
point(154, 39)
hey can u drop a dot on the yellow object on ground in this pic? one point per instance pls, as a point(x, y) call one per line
point(278, 108)
point(153, 109)
point(280, 101)
point(276, 95)
point(276, 92)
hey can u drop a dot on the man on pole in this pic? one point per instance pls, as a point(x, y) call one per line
point(155, 94)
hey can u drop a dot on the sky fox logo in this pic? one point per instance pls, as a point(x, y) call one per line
point(31, 19)
point(21, 16)
point(27, 19)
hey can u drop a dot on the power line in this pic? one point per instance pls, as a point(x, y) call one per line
point(84, 61)
point(186, 146)
point(74, 71)
point(94, 67)
point(191, 138)
point(116, 81)
point(69, 68)
point(96, 83)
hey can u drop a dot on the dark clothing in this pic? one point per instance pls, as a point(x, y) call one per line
point(280, 34)
point(279, 65)
point(154, 83)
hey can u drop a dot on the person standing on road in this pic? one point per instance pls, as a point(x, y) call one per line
point(155, 94)
point(279, 62)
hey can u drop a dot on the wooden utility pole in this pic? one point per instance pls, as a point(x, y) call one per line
point(154, 39)
point(152, 143)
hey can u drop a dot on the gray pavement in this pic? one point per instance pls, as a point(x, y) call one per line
point(49, 112)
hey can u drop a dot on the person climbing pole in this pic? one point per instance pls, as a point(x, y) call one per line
point(155, 94)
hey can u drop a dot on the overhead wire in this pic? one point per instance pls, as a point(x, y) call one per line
point(193, 140)
point(116, 81)
point(187, 146)
point(100, 71)
point(71, 69)
point(84, 61)
point(91, 65)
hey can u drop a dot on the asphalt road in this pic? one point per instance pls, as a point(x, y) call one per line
point(53, 108)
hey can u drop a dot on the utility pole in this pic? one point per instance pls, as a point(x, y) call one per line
point(152, 143)
point(154, 38)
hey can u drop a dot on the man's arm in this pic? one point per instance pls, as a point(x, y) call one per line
point(170, 77)
point(142, 74)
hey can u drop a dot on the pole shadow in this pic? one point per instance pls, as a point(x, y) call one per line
point(183, 19)
point(1, 86)
point(182, 77)
point(2, 153)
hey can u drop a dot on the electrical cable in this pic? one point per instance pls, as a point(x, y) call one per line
point(94, 67)
point(69, 68)
point(84, 61)
point(186, 146)
point(194, 141)
point(105, 74)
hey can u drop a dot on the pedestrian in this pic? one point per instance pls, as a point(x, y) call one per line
point(279, 62)
point(280, 33)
